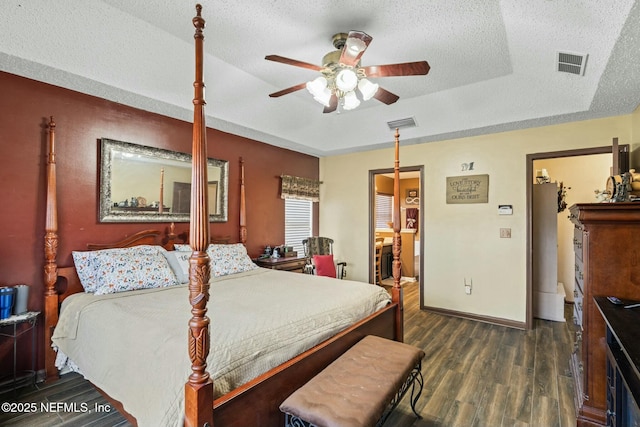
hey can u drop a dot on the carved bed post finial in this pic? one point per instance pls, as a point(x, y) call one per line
point(199, 387)
point(396, 291)
point(198, 22)
point(50, 255)
point(243, 206)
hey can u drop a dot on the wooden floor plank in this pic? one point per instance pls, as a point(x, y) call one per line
point(545, 413)
point(565, 401)
point(461, 414)
point(492, 406)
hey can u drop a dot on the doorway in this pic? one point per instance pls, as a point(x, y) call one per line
point(540, 161)
point(411, 220)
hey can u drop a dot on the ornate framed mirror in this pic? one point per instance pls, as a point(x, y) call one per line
point(146, 184)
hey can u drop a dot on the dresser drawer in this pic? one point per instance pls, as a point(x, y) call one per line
point(577, 314)
point(578, 301)
point(579, 274)
point(577, 242)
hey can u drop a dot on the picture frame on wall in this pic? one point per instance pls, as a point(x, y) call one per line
point(413, 197)
point(468, 189)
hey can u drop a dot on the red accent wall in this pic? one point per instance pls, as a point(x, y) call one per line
point(25, 107)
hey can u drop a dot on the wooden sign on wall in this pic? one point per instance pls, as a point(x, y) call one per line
point(468, 189)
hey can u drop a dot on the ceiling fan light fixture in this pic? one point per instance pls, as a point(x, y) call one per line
point(346, 80)
point(351, 101)
point(343, 83)
point(367, 89)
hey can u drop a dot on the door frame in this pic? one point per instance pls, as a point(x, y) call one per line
point(623, 165)
point(372, 223)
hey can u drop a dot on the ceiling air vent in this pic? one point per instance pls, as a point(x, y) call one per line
point(572, 63)
point(409, 122)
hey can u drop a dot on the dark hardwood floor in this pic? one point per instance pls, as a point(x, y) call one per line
point(476, 374)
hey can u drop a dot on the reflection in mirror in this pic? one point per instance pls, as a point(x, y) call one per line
point(146, 184)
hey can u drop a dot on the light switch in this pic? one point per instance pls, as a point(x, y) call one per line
point(505, 233)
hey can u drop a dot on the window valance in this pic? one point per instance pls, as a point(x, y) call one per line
point(294, 187)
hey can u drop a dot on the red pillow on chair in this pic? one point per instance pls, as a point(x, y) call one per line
point(324, 265)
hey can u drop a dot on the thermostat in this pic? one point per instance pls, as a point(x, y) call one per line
point(505, 210)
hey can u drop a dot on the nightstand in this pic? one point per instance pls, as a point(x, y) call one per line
point(295, 264)
point(9, 328)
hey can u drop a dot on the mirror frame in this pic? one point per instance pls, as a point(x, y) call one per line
point(108, 214)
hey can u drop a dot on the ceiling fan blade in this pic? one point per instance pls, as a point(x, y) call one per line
point(419, 68)
point(355, 45)
point(385, 96)
point(288, 90)
point(333, 104)
point(294, 62)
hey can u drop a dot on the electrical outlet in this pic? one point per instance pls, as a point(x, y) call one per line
point(467, 289)
point(505, 233)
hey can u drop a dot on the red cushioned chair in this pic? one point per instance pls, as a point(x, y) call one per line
point(319, 253)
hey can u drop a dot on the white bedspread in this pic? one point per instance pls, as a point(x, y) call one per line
point(133, 345)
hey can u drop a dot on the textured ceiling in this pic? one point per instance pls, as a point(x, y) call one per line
point(493, 63)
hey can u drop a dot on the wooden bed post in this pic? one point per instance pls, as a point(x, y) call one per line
point(396, 291)
point(198, 402)
point(50, 255)
point(243, 206)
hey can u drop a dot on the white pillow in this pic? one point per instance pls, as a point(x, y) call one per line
point(123, 269)
point(179, 263)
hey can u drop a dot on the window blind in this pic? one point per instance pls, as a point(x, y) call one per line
point(297, 223)
point(384, 210)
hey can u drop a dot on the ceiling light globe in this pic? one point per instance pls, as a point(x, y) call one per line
point(367, 89)
point(346, 80)
point(324, 97)
point(317, 86)
point(351, 101)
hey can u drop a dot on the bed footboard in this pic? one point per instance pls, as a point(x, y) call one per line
point(264, 394)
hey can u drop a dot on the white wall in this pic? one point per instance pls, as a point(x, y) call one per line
point(461, 241)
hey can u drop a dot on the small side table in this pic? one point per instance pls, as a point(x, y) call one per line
point(295, 264)
point(31, 318)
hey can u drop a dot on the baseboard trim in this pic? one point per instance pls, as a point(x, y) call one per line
point(479, 318)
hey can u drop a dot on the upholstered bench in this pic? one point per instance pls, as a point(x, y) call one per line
point(360, 388)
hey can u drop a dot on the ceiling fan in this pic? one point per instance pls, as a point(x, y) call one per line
point(341, 74)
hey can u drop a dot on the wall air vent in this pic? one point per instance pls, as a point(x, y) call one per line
point(409, 122)
point(572, 63)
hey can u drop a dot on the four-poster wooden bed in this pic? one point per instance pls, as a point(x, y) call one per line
point(255, 402)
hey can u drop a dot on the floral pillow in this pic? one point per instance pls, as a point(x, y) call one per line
point(225, 258)
point(179, 263)
point(229, 259)
point(123, 269)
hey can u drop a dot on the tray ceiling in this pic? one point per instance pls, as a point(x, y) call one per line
point(494, 64)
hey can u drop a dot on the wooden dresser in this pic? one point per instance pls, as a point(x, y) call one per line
point(607, 249)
